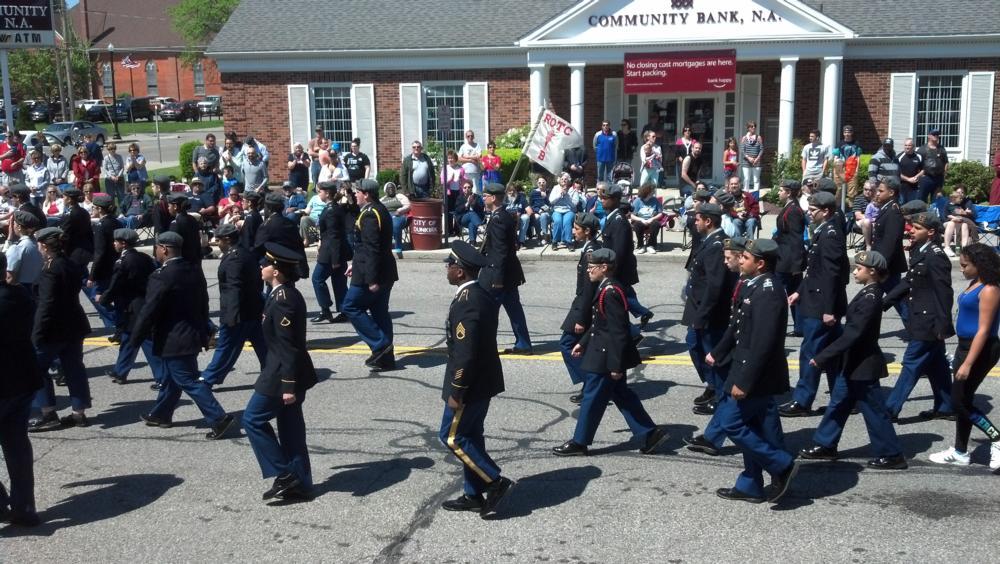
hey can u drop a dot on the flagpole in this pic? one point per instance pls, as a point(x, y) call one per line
point(524, 148)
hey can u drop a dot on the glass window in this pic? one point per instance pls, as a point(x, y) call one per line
point(199, 79)
point(444, 105)
point(332, 108)
point(151, 80)
point(939, 105)
point(106, 80)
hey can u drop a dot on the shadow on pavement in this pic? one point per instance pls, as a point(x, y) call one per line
point(816, 480)
point(366, 478)
point(127, 412)
point(547, 489)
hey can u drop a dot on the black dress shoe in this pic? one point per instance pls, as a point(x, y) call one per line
point(794, 334)
point(282, 484)
point(75, 420)
point(793, 409)
point(117, 378)
point(153, 421)
point(817, 452)
point(780, 483)
point(699, 443)
point(323, 317)
point(464, 503)
point(637, 340)
point(932, 414)
point(48, 422)
point(383, 360)
point(156, 386)
point(734, 494)
point(705, 408)
point(653, 440)
point(115, 338)
point(221, 428)
point(296, 493)
point(576, 398)
point(644, 320)
point(705, 397)
point(569, 448)
point(496, 492)
point(339, 318)
point(897, 462)
point(517, 350)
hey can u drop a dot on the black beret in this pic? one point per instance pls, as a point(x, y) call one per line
point(929, 220)
point(104, 201)
point(162, 180)
point(710, 209)
point(702, 195)
point(825, 184)
point(791, 185)
point(602, 256)
point(725, 199)
point(912, 207)
point(73, 192)
point(737, 244)
point(613, 191)
point(872, 259)
point(26, 219)
point(762, 248)
point(369, 186)
point(466, 256)
point(252, 196)
point(130, 236)
point(824, 200)
point(20, 190)
point(326, 186)
point(179, 198)
point(226, 230)
point(170, 239)
point(48, 234)
point(587, 220)
point(274, 199)
point(495, 188)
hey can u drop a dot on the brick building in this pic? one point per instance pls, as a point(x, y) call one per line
point(799, 65)
point(146, 51)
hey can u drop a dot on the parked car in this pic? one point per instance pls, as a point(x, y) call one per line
point(158, 102)
point(44, 111)
point(134, 109)
point(69, 133)
point(86, 104)
point(211, 106)
point(180, 111)
point(99, 112)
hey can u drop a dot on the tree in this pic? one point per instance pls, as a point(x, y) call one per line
point(33, 72)
point(197, 22)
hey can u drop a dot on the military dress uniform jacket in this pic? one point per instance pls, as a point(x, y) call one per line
point(581, 311)
point(608, 345)
point(78, 233)
point(791, 224)
point(500, 247)
point(887, 236)
point(240, 288)
point(127, 288)
point(248, 232)
point(858, 344)
point(175, 311)
point(710, 286)
point(188, 228)
point(288, 368)
point(283, 231)
point(756, 340)
point(373, 260)
point(927, 289)
point(725, 342)
point(474, 372)
point(59, 317)
point(104, 249)
point(617, 236)
point(20, 374)
point(334, 248)
point(33, 210)
point(824, 286)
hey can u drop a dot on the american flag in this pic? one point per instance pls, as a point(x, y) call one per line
point(128, 63)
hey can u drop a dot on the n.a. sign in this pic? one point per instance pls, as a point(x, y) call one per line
point(26, 24)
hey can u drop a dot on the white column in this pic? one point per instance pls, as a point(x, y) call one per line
point(786, 105)
point(538, 85)
point(576, 95)
point(831, 98)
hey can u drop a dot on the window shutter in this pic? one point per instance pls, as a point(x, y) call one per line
point(613, 95)
point(749, 103)
point(411, 116)
point(979, 117)
point(363, 121)
point(477, 111)
point(298, 114)
point(902, 104)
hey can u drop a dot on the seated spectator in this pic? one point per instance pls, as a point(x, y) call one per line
point(84, 167)
point(645, 218)
point(36, 173)
point(310, 218)
point(295, 201)
point(515, 203)
point(399, 208)
point(52, 206)
point(469, 210)
point(231, 207)
point(961, 218)
point(58, 170)
point(537, 213)
point(865, 212)
point(746, 209)
point(135, 166)
point(726, 201)
point(565, 201)
point(135, 205)
point(89, 191)
point(202, 203)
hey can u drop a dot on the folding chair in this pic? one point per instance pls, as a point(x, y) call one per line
point(988, 224)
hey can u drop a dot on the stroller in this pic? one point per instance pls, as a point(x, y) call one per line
point(623, 171)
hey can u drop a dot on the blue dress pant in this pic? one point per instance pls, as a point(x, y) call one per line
point(107, 315)
point(902, 307)
point(791, 283)
point(716, 435)
point(369, 314)
point(338, 279)
point(816, 336)
point(462, 432)
point(16, 447)
point(70, 355)
point(597, 390)
point(127, 354)
point(229, 346)
point(634, 307)
point(867, 395)
point(748, 424)
point(700, 342)
point(510, 299)
point(286, 451)
point(922, 357)
point(566, 344)
point(182, 375)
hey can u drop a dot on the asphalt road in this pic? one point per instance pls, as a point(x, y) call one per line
point(120, 491)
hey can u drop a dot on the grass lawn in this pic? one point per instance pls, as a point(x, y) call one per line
point(127, 129)
point(174, 171)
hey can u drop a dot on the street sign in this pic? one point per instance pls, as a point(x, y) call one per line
point(444, 119)
point(26, 24)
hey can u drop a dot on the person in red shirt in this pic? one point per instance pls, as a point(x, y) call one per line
point(746, 210)
point(12, 155)
point(84, 167)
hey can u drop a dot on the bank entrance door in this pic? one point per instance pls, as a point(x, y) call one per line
point(674, 113)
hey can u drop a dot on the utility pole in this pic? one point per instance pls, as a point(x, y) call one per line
point(69, 56)
point(59, 83)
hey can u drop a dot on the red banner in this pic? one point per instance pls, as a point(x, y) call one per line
point(692, 71)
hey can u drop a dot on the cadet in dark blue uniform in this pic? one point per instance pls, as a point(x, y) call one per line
point(333, 256)
point(78, 232)
point(887, 237)
point(251, 221)
point(175, 313)
point(281, 387)
point(279, 229)
point(578, 319)
point(19, 380)
point(503, 274)
point(60, 326)
point(104, 259)
point(758, 372)
point(706, 309)
point(822, 300)
point(862, 365)
point(790, 226)
point(126, 292)
point(472, 378)
point(617, 236)
point(373, 273)
point(187, 227)
point(608, 353)
point(240, 306)
point(928, 294)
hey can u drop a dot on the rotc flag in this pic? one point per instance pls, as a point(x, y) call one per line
point(551, 137)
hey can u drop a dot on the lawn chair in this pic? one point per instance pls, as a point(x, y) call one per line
point(988, 222)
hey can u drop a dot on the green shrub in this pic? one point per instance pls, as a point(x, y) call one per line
point(184, 156)
point(784, 168)
point(771, 196)
point(862, 174)
point(508, 160)
point(387, 175)
point(974, 175)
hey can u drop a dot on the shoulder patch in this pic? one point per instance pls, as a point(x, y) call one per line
point(768, 283)
point(280, 294)
point(460, 331)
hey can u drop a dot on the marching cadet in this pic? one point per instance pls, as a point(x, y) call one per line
point(577, 321)
point(790, 227)
point(104, 259)
point(251, 221)
point(373, 273)
point(19, 380)
point(277, 228)
point(126, 292)
point(21, 195)
point(60, 326)
point(25, 261)
point(240, 306)
point(862, 365)
point(187, 227)
point(758, 372)
point(503, 275)
point(472, 378)
point(887, 237)
point(822, 300)
point(333, 255)
point(608, 353)
point(617, 236)
point(927, 292)
point(280, 389)
point(175, 313)
point(706, 308)
point(78, 234)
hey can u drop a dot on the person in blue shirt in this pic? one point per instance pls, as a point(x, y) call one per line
point(537, 213)
point(516, 203)
point(645, 219)
point(202, 202)
point(228, 178)
point(605, 148)
point(296, 202)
